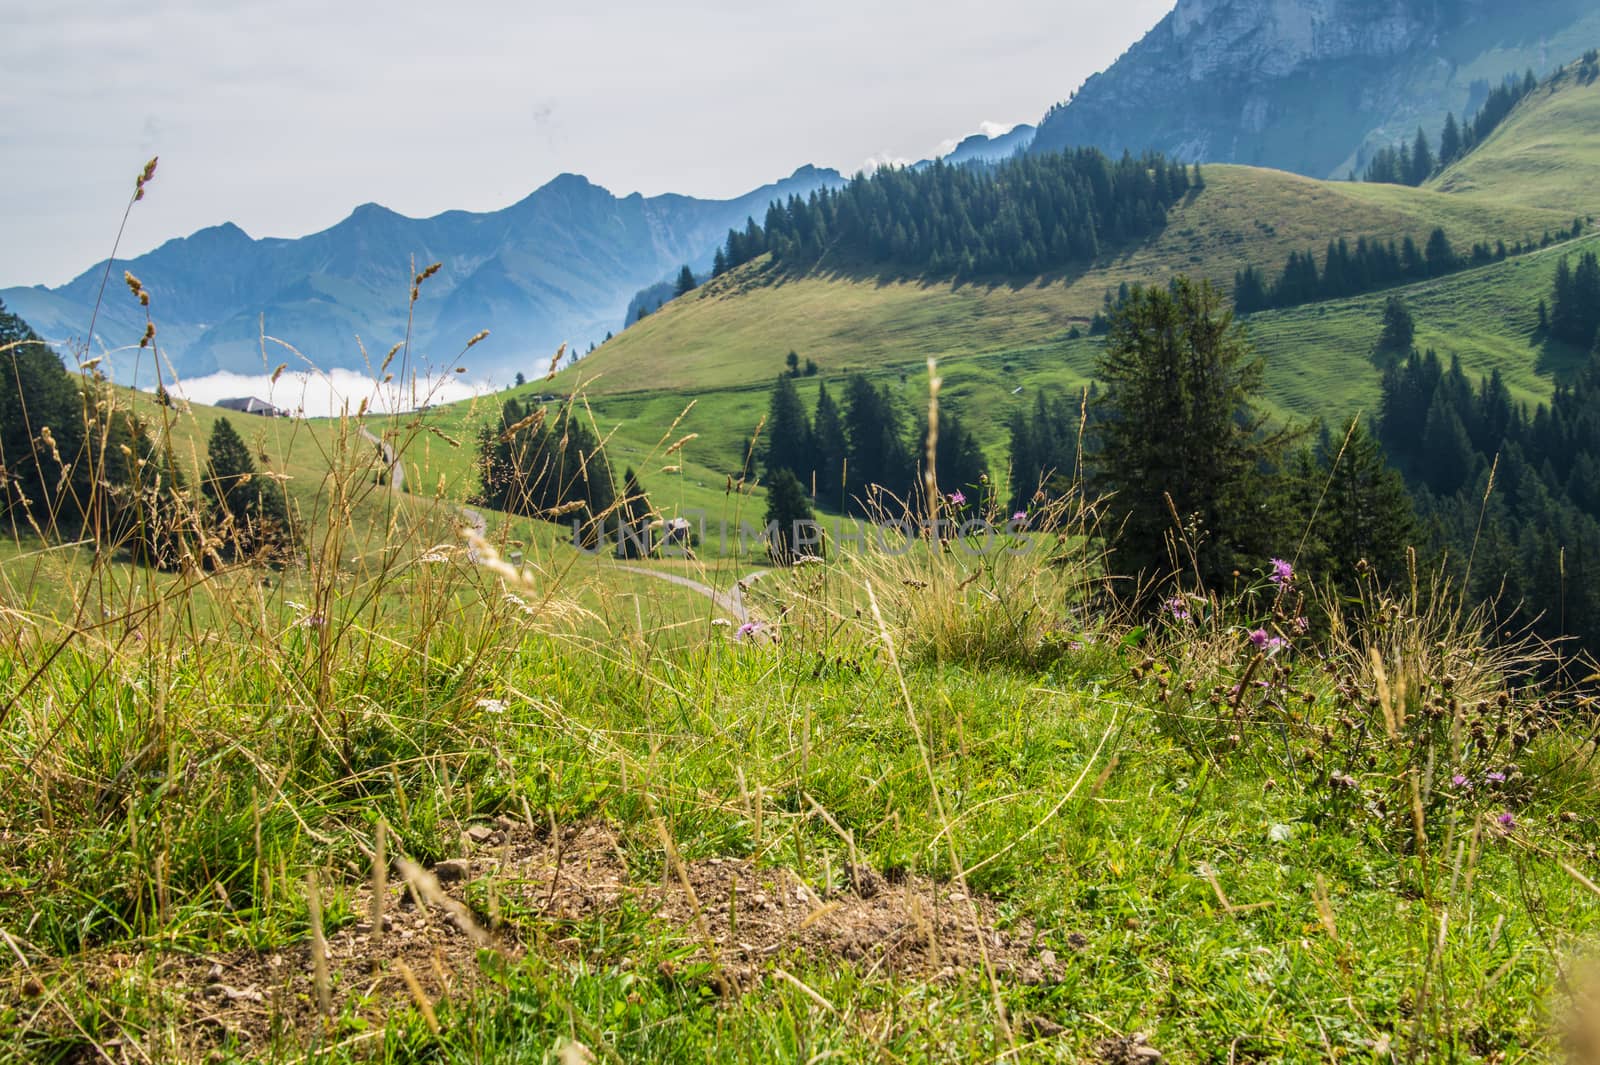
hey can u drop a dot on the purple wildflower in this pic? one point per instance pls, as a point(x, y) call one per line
point(1020, 518)
point(747, 630)
point(1178, 607)
point(1282, 572)
point(1507, 820)
point(1496, 778)
point(1262, 641)
point(1459, 781)
point(957, 499)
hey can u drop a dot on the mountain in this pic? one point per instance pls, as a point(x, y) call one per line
point(1311, 86)
point(983, 148)
point(557, 266)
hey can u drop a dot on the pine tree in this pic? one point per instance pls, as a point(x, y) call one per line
point(1449, 141)
point(37, 395)
point(1180, 423)
point(1421, 159)
point(1446, 448)
point(788, 507)
point(1441, 256)
point(248, 511)
point(959, 462)
point(1399, 329)
point(686, 283)
point(1367, 514)
point(787, 434)
point(828, 449)
point(876, 452)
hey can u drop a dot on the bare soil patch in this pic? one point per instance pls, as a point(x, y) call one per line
point(742, 918)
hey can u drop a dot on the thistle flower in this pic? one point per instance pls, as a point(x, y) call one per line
point(957, 499)
point(1178, 607)
point(1495, 778)
point(1263, 641)
point(1020, 518)
point(1282, 572)
point(1459, 781)
point(749, 630)
point(1507, 820)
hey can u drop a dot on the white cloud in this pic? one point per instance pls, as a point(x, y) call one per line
point(319, 395)
point(879, 160)
point(282, 117)
point(996, 129)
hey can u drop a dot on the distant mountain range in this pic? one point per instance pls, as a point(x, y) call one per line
point(557, 266)
point(1312, 86)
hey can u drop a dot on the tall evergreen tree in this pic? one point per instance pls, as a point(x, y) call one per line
point(789, 508)
point(686, 282)
point(788, 433)
point(1449, 141)
point(829, 448)
point(1421, 159)
point(1366, 514)
point(248, 511)
point(1180, 423)
point(1399, 329)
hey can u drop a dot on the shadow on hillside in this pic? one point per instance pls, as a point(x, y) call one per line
point(776, 275)
point(1558, 360)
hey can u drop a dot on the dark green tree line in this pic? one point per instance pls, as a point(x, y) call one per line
point(1027, 215)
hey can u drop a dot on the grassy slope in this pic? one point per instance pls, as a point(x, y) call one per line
point(736, 329)
point(1208, 891)
point(1318, 361)
point(1546, 154)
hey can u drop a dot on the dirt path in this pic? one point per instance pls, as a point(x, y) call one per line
point(397, 471)
point(730, 602)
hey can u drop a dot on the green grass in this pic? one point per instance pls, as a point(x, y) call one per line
point(736, 330)
point(1211, 893)
point(1318, 357)
point(1546, 154)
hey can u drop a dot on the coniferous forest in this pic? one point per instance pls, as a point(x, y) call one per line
point(1029, 215)
point(1414, 163)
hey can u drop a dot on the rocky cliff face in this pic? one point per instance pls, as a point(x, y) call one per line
point(1309, 85)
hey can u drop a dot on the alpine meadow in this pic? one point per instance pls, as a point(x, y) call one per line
point(1123, 589)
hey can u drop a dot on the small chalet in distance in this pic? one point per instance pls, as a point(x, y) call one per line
point(251, 405)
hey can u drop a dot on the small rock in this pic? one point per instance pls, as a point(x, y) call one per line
point(452, 870)
point(235, 994)
point(480, 833)
point(214, 974)
point(1047, 958)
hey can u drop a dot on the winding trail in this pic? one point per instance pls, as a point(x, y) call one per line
point(730, 602)
point(397, 470)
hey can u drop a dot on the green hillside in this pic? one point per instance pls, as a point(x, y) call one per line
point(1318, 357)
point(735, 329)
point(1545, 155)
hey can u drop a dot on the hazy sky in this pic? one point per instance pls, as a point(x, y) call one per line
point(281, 116)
